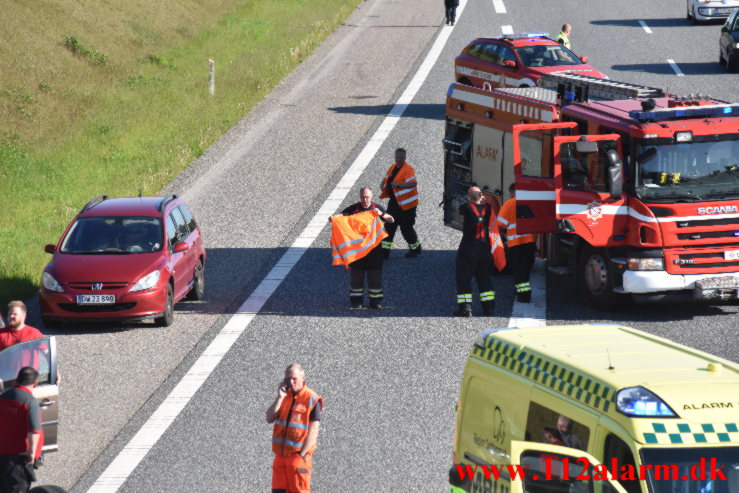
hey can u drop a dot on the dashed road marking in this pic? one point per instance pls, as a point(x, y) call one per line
point(533, 314)
point(499, 7)
point(646, 28)
point(506, 29)
point(144, 440)
point(674, 66)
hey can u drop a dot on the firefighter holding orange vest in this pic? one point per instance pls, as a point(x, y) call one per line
point(521, 248)
point(296, 414)
point(400, 186)
point(480, 245)
point(357, 242)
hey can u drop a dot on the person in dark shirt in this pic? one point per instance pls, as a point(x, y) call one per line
point(369, 266)
point(473, 255)
point(20, 415)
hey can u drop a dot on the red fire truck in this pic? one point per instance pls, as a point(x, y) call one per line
point(632, 190)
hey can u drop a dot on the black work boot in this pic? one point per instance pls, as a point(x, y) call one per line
point(488, 307)
point(376, 304)
point(524, 297)
point(463, 310)
point(386, 252)
point(355, 302)
point(414, 252)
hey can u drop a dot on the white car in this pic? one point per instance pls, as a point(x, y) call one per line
point(706, 10)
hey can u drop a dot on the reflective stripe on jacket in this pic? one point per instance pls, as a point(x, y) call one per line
point(407, 198)
point(293, 419)
point(354, 237)
point(507, 219)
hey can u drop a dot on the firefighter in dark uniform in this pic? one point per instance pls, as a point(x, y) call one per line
point(473, 255)
point(369, 266)
point(521, 251)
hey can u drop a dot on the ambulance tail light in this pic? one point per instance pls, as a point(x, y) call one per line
point(646, 263)
point(641, 403)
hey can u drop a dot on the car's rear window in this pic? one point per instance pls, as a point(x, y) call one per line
point(114, 235)
point(547, 56)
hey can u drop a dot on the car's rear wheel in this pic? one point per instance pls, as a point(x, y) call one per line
point(465, 81)
point(198, 283)
point(168, 316)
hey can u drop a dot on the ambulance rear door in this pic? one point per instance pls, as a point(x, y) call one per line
point(533, 165)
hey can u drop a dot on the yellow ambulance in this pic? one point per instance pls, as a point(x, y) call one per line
point(595, 408)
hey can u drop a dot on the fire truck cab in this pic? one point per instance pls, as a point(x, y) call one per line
point(632, 190)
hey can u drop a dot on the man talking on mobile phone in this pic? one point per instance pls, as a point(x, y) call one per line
point(296, 414)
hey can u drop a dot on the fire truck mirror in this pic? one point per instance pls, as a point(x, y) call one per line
point(586, 146)
point(615, 174)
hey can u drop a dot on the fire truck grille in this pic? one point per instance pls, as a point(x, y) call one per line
point(707, 265)
point(708, 234)
point(708, 222)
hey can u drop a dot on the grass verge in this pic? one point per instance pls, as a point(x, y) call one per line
point(117, 102)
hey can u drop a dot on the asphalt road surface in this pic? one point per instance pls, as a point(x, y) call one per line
point(389, 378)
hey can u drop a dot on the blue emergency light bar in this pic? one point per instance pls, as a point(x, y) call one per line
point(663, 114)
point(525, 35)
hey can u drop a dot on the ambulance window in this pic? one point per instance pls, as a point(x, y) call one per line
point(547, 426)
point(616, 450)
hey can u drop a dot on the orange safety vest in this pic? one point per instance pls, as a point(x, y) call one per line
point(496, 243)
point(354, 237)
point(407, 198)
point(293, 419)
point(507, 219)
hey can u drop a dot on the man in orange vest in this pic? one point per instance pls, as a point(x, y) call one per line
point(521, 248)
point(400, 186)
point(474, 254)
point(296, 414)
point(369, 266)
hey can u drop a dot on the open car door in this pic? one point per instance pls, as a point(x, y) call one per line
point(589, 182)
point(41, 355)
point(533, 166)
point(557, 469)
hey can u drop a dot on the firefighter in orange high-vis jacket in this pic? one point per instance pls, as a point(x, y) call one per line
point(400, 186)
point(521, 248)
point(296, 414)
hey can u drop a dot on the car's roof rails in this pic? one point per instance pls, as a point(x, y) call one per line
point(165, 201)
point(93, 202)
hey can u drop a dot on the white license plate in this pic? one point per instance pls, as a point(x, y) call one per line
point(95, 299)
point(723, 11)
point(731, 255)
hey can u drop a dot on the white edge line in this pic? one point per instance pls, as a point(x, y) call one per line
point(674, 66)
point(646, 28)
point(144, 440)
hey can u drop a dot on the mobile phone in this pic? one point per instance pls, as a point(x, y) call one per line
point(286, 384)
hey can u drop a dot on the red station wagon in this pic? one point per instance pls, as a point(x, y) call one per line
point(124, 259)
point(516, 60)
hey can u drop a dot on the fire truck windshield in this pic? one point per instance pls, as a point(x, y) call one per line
point(693, 171)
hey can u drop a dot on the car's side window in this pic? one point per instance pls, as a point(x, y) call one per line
point(505, 54)
point(475, 50)
point(183, 230)
point(171, 232)
point(188, 217)
point(488, 54)
point(736, 21)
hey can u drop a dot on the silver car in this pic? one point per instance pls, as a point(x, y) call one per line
point(706, 10)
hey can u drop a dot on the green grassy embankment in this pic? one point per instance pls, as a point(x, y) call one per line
point(101, 97)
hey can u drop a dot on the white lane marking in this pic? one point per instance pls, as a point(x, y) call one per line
point(507, 29)
point(674, 66)
point(646, 28)
point(142, 442)
point(532, 314)
point(499, 7)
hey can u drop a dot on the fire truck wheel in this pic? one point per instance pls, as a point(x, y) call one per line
point(596, 279)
